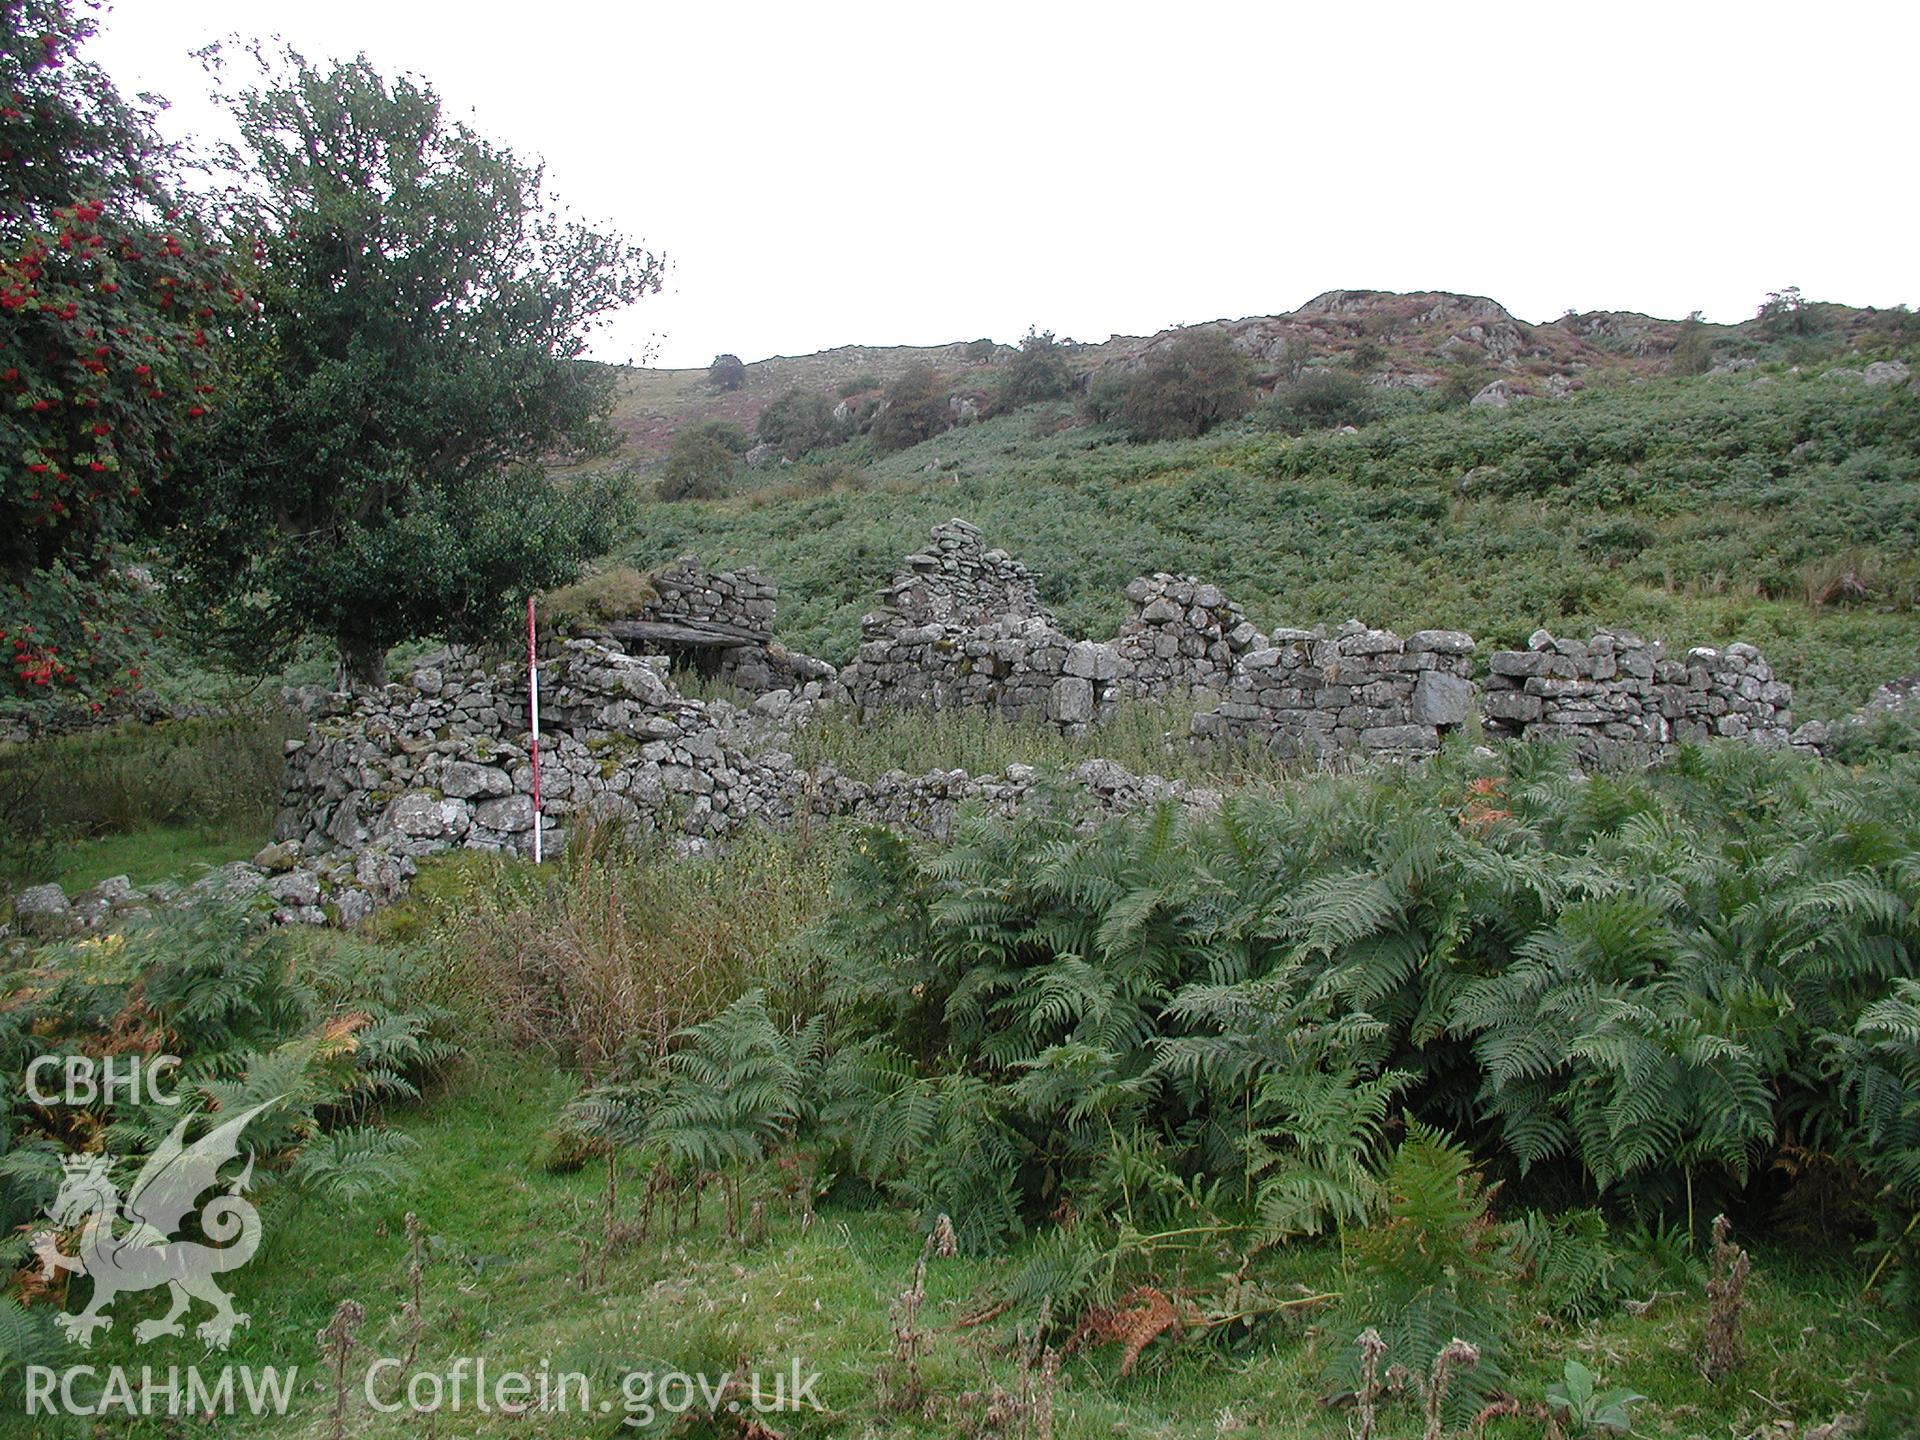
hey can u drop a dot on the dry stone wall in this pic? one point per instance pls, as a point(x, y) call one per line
point(1181, 639)
point(964, 628)
point(408, 773)
point(938, 645)
point(1623, 699)
point(443, 761)
point(687, 590)
point(1310, 695)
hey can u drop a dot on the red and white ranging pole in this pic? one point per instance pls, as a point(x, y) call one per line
point(533, 721)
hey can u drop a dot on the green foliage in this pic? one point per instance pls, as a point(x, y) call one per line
point(222, 775)
point(1320, 400)
point(726, 372)
point(979, 352)
point(799, 421)
point(1693, 350)
point(1620, 987)
point(721, 1097)
point(1576, 1398)
point(613, 593)
point(1082, 1045)
point(724, 1096)
point(733, 437)
point(331, 1027)
point(1878, 736)
point(414, 362)
point(1461, 381)
point(1039, 371)
point(1437, 1267)
point(609, 949)
point(1145, 738)
point(1786, 313)
point(111, 299)
point(1106, 394)
point(915, 410)
point(1186, 389)
point(699, 466)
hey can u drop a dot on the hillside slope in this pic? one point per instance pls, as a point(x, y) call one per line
point(1777, 507)
point(1395, 340)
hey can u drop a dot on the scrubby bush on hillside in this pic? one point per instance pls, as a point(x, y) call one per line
point(1785, 313)
point(725, 431)
point(1106, 392)
point(699, 467)
point(726, 372)
point(797, 422)
point(1460, 382)
point(1320, 400)
point(915, 410)
point(1038, 371)
point(979, 352)
point(1693, 349)
point(1186, 389)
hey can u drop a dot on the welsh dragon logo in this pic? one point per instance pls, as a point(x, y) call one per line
point(128, 1245)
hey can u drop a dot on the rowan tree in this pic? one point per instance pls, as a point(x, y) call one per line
point(414, 369)
point(112, 304)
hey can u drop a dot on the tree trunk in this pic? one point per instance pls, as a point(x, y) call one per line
point(364, 664)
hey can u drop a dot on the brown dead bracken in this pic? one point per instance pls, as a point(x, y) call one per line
point(1141, 1317)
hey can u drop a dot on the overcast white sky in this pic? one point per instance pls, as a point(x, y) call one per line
point(903, 173)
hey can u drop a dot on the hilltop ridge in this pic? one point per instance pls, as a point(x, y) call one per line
point(1412, 339)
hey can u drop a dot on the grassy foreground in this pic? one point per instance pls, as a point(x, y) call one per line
point(504, 1279)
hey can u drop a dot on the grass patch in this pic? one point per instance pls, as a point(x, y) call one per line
point(1145, 738)
point(597, 958)
point(205, 790)
point(166, 852)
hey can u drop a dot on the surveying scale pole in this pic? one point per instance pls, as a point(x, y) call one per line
point(533, 722)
